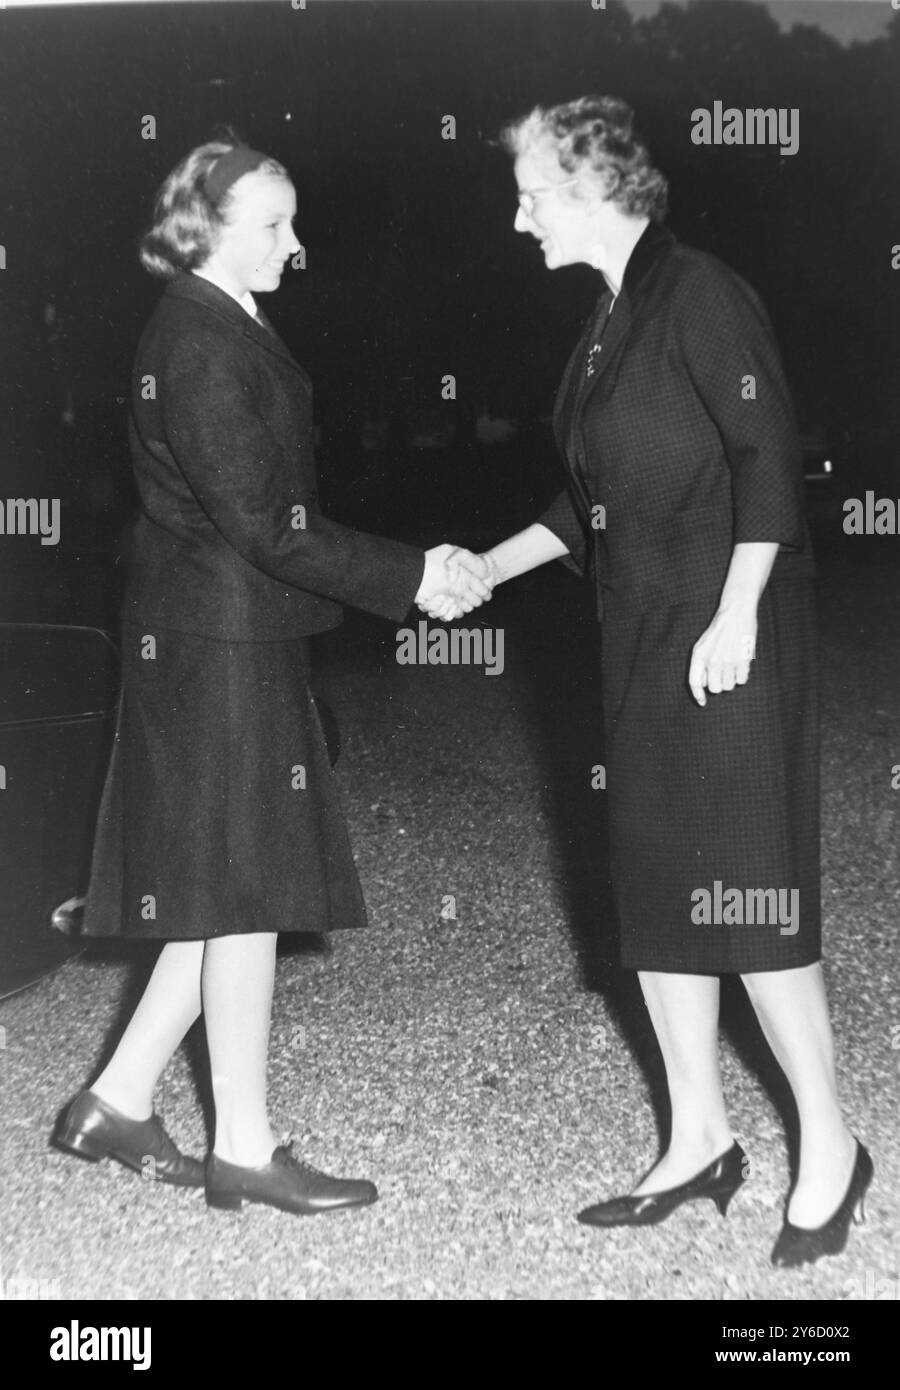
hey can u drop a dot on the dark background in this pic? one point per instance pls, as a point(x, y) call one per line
point(452, 782)
point(413, 267)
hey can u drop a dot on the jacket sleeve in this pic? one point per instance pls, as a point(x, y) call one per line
point(730, 354)
point(562, 519)
point(250, 489)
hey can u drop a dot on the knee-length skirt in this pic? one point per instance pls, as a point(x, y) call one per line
point(713, 812)
point(220, 813)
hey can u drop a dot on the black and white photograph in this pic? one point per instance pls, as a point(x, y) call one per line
point(450, 663)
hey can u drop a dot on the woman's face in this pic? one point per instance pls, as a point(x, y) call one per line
point(258, 236)
point(564, 228)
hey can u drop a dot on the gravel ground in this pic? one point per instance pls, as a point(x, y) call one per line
point(474, 1052)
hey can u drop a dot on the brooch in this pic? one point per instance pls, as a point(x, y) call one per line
point(592, 359)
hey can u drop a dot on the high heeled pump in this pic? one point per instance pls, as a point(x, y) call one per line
point(719, 1181)
point(798, 1245)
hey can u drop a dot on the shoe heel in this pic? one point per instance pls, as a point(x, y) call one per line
point(859, 1212)
point(224, 1201)
point(84, 1145)
point(722, 1199)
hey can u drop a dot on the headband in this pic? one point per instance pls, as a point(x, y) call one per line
point(230, 167)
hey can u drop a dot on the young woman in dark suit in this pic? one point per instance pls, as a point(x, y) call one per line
point(220, 824)
point(684, 508)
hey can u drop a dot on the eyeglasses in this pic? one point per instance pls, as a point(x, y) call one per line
point(527, 196)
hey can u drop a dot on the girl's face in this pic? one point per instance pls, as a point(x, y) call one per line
point(258, 235)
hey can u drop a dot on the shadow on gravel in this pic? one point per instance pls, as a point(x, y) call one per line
point(559, 638)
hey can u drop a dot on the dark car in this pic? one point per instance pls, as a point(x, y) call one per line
point(825, 472)
point(818, 458)
point(58, 689)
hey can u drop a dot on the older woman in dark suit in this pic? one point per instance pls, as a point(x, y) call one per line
point(683, 507)
point(220, 824)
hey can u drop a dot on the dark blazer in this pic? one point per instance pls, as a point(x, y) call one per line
point(222, 442)
point(664, 437)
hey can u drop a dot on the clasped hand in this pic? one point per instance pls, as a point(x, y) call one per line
point(455, 581)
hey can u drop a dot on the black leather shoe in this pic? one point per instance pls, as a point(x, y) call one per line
point(720, 1180)
point(283, 1182)
point(92, 1129)
point(799, 1245)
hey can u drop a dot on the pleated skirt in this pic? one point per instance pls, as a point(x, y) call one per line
point(714, 812)
point(220, 814)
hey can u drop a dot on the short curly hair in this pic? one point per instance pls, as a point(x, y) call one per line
point(186, 221)
point(595, 134)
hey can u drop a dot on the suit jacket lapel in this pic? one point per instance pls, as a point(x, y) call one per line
point(565, 410)
point(266, 336)
point(574, 395)
point(568, 390)
point(613, 339)
point(651, 246)
point(194, 287)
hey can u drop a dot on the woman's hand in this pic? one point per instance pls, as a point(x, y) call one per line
point(482, 567)
point(534, 546)
point(454, 582)
point(721, 658)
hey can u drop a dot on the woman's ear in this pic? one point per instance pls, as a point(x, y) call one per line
point(594, 195)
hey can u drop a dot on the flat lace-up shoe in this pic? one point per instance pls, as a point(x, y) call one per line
point(284, 1182)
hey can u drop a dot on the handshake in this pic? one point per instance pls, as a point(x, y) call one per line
point(455, 581)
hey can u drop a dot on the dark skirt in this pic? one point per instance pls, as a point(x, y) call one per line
point(220, 813)
point(727, 795)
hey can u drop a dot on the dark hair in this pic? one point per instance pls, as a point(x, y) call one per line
point(186, 222)
point(596, 134)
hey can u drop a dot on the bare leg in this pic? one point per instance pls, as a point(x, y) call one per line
point(684, 1010)
point(237, 982)
point(168, 1007)
point(793, 1013)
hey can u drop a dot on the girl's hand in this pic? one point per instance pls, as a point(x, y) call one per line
point(721, 658)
